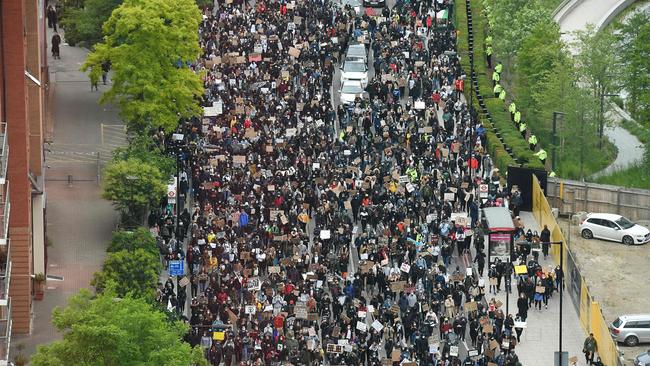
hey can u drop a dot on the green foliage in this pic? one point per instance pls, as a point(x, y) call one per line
point(132, 185)
point(105, 330)
point(83, 24)
point(596, 64)
point(133, 273)
point(633, 38)
point(536, 57)
point(143, 148)
point(633, 177)
point(132, 240)
point(149, 44)
point(205, 4)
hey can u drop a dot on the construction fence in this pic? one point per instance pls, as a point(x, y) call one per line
point(591, 316)
point(571, 196)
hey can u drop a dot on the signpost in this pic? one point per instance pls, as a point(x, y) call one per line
point(176, 268)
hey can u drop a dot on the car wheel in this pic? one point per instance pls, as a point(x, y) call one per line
point(587, 234)
point(627, 240)
point(631, 341)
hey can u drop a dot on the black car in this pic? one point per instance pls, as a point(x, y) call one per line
point(374, 3)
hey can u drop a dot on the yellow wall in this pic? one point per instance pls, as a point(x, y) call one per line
point(591, 317)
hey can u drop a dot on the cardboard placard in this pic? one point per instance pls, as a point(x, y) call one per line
point(239, 159)
point(540, 289)
point(397, 286)
point(294, 52)
point(396, 355)
point(301, 312)
point(471, 306)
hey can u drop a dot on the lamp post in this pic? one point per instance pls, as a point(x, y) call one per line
point(178, 140)
point(561, 358)
point(553, 163)
point(602, 117)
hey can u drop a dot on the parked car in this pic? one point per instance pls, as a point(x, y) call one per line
point(350, 90)
point(355, 70)
point(374, 3)
point(642, 359)
point(631, 329)
point(613, 227)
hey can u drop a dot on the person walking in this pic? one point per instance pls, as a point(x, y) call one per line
point(589, 348)
point(545, 238)
point(56, 41)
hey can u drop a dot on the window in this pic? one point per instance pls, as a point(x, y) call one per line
point(617, 323)
point(644, 324)
point(609, 224)
point(631, 325)
point(595, 221)
point(624, 223)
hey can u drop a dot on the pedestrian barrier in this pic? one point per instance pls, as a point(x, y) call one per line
point(591, 316)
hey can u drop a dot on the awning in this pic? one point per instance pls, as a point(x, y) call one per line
point(498, 219)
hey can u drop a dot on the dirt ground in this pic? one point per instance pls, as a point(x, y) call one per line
point(617, 276)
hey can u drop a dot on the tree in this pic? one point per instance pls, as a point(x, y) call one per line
point(132, 185)
point(150, 45)
point(511, 21)
point(144, 148)
point(633, 39)
point(596, 64)
point(133, 272)
point(139, 238)
point(109, 331)
point(83, 23)
point(538, 54)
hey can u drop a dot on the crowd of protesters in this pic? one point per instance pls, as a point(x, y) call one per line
point(319, 233)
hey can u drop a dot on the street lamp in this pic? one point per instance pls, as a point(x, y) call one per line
point(553, 163)
point(178, 138)
point(602, 117)
point(561, 358)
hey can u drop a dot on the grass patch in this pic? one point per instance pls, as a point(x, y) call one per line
point(634, 177)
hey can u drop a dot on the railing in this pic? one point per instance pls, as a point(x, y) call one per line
point(4, 152)
point(4, 212)
point(5, 274)
point(5, 333)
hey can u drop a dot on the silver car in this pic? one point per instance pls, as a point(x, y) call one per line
point(631, 329)
point(642, 359)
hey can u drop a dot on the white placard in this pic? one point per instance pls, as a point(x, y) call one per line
point(362, 326)
point(325, 234)
point(418, 105)
point(521, 325)
point(405, 267)
point(377, 325)
point(364, 257)
point(362, 314)
point(250, 309)
point(468, 271)
point(410, 187)
point(315, 166)
point(453, 351)
point(347, 152)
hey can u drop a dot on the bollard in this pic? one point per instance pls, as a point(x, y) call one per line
point(69, 180)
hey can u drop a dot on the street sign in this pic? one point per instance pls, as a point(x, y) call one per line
point(176, 268)
point(483, 190)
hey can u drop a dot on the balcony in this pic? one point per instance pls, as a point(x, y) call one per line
point(5, 333)
point(4, 212)
point(4, 152)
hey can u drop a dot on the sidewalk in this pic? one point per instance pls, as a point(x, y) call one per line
point(79, 221)
point(539, 340)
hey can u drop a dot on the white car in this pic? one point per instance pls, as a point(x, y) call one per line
point(350, 90)
point(357, 51)
point(354, 70)
point(613, 227)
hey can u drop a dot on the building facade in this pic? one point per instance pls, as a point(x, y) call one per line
point(23, 92)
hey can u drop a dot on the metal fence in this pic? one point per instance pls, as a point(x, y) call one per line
point(571, 196)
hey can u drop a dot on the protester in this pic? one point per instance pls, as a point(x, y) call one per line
point(321, 231)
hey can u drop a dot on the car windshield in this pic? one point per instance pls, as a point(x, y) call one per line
point(617, 323)
point(351, 89)
point(354, 67)
point(624, 223)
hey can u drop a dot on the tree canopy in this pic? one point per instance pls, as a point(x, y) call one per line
point(133, 184)
point(83, 21)
point(150, 45)
point(132, 272)
point(109, 331)
point(132, 240)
